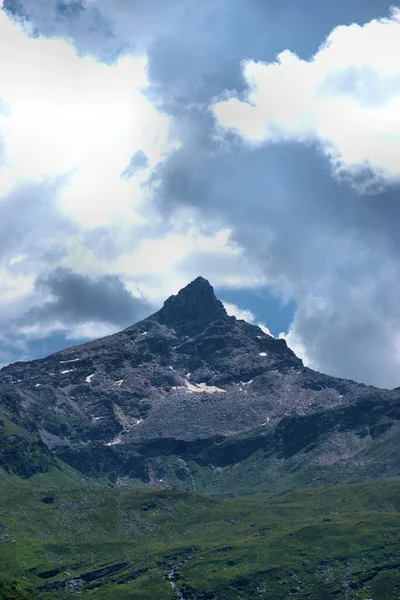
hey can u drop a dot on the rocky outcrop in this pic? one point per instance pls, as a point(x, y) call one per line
point(192, 309)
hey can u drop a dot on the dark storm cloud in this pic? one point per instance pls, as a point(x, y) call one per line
point(316, 239)
point(79, 299)
point(76, 300)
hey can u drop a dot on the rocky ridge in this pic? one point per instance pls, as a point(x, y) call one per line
point(189, 376)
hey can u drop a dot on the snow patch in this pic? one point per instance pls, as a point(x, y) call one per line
point(120, 382)
point(262, 354)
point(114, 442)
point(89, 378)
point(66, 371)
point(203, 387)
point(138, 422)
point(199, 388)
point(144, 332)
point(242, 383)
point(37, 384)
point(62, 362)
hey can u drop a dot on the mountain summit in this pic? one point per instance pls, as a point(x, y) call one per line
point(193, 398)
point(192, 308)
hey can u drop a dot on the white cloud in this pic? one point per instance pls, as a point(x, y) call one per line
point(265, 329)
point(158, 261)
point(246, 315)
point(240, 313)
point(71, 116)
point(64, 114)
point(347, 96)
point(13, 287)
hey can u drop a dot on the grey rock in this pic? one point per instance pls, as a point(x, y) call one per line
point(189, 374)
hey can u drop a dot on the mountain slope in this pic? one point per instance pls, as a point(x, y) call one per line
point(193, 398)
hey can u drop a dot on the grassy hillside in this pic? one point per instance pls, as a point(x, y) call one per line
point(22, 453)
point(339, 542)
point(65, 533)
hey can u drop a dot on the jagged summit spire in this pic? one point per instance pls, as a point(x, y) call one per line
point(192, 308)
point(198, 286)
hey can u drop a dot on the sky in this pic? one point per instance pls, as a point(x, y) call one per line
point(255, 143)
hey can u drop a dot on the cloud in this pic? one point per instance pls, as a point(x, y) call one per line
point(103, 29)
point(67, 19)
point(350, 339)
point(244, 314)
point(208, 202)
point(138, 161)
point(265, 329)
point(240, 313)
point(346, 97)
point(310, 235)
point(77, 299)
point(33, 237)
point(81, 138)
point(29, 221)
point(166, 262)
point(78, 139)
point(63, 306)
point(79, 118)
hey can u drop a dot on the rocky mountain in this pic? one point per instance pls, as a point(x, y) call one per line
point(193, 398)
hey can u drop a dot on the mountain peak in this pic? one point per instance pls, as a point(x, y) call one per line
point(192, 308)
point(198, 283)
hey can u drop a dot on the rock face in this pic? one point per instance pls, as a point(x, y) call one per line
point(192, 309)
point(178, 383)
